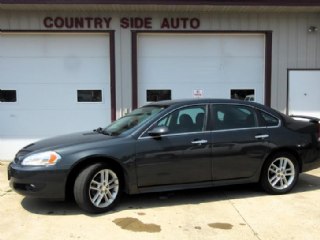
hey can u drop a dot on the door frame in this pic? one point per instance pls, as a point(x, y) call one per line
point(288, 81)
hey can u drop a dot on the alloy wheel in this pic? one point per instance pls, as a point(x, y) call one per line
point(103, 188)
point(281, 173)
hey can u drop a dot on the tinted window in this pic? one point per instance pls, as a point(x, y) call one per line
point(89, 96)
point(158, 95)
point(242, 94)
point(190, 119)
point(227, 116)
point(8, 95)
point(268, 120)
point(133, 119)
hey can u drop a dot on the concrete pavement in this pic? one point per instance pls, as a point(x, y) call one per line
point(235, 212)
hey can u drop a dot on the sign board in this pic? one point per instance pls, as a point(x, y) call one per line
point(197, 93)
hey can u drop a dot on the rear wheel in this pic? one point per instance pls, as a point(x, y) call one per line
point(97, 188)
point(280, 173)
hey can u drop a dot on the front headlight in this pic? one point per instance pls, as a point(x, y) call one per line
point(41, 159)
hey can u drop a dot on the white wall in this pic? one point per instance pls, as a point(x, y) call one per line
point(292, 45)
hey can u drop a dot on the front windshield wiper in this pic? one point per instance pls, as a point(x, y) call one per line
point(102, 131)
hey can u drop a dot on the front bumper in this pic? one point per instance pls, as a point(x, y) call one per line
point(41, 182)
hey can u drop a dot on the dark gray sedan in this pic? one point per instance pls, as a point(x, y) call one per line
point(170, 145)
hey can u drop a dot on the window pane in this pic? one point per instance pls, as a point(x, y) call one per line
point(269, 120)
point(242, 94)
point(158, 95)
point(191, 119)
point(133, 119)
point(8, 96)
point(233, 116)
point(89, 96)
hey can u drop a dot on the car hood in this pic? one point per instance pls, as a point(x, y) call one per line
point(66, 140)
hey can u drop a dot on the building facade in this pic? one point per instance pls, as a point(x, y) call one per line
point(73, 67)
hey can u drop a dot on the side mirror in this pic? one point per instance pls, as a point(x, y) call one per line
point(158, 131)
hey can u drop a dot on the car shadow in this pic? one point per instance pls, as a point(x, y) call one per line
point(307, 182)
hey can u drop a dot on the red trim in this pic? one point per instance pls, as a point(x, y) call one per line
point(134, 69)
point(268, 59)
point(268, 69)
point(174, 2)
point(112, 75)
point(112, 58)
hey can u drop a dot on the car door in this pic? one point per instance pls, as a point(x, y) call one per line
point(182, 155)
point(239, 145)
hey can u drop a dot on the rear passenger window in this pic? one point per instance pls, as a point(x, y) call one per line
point(228, 116)
point(268, 120)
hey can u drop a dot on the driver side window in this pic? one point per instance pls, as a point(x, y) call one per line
point(189, 119)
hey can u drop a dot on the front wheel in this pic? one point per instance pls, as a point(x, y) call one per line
point(280, 173)
point(97, 188)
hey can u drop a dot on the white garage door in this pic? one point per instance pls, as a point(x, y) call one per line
point(52, 84)
point(304, 97)
point(205, 65)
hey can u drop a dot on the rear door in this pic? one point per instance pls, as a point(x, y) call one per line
point(239, 145)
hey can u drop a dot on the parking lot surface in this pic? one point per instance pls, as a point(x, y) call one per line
point(236, 212)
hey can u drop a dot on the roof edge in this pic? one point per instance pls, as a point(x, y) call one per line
point(291, 3)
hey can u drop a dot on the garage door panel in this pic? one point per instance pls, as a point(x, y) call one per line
point(44, 70)
point(242, 70)
point(39, 96)
point(243, 45)
point(202, 69)
point(179, 69)
point(48, 123)
point(54, 45)
point(179, 92)
point(179, 45)
point(215, 63)
point(218, 90)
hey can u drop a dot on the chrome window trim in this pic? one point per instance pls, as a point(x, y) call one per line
point(237, 129)
point(213, 131)
point(184, 106)
point(175, 134)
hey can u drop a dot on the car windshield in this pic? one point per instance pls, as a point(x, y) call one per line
point(133, 119)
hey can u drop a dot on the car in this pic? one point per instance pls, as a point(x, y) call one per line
point(249, 98)
point(168, 146)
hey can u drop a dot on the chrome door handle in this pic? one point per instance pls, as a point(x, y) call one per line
point(262, 136)
point(199, 142)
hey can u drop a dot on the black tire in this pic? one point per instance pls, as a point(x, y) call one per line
point(98, 188)
point(280, 177)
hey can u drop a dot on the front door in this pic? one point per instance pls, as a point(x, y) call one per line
point(183, 155)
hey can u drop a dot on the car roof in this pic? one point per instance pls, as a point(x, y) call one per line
point(194, 101)
point(199, 101)
point(181, 102)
